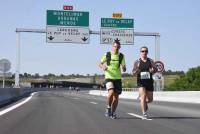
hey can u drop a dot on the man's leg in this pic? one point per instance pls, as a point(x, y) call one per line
point(143, 102)
point(110, 97)
point(149, 94)
point(115, 102)
point(108, 112)
point(149, 98)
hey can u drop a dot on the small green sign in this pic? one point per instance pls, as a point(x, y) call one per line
point(117, 23)
point(67, 18)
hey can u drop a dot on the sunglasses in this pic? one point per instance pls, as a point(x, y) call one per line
point(144, 51)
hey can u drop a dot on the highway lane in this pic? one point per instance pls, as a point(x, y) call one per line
point(62, 112)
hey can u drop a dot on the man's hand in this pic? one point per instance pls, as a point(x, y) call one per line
point(136, 68)
point(123, 68)
point(103, 66)
point(151, 70)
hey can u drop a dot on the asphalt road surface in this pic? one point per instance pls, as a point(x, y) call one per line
point(64, 112)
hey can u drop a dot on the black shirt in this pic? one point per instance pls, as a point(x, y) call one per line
point(144, 67)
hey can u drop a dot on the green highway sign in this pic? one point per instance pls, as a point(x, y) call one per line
point(117, 23)
point(67, 18)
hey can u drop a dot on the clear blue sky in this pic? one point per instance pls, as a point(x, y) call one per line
point(178, 22)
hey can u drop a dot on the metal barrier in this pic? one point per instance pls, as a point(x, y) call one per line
point(130, 89)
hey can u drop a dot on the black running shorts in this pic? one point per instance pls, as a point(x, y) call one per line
point(116, 85)
point(148, 85)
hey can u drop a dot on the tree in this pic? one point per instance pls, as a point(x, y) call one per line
point(36, 75)
point(25, 75)
point(62, 75)
point(189, 81)
point(50, 75)
point(170, 72)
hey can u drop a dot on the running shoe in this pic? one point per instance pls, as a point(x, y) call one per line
point(113, 116)
point(145, 115)
point(108, 112)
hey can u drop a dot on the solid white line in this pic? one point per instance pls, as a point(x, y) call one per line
point(138, 116)
point(16, 105)
point(93, 103)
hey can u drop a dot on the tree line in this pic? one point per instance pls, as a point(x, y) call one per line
point(187, 82)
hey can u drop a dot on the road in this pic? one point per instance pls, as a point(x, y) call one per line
point(62, 112)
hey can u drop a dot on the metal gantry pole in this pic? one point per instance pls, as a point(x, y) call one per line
point(159, 83)
point(157, 47)
point(17, 61)
point(3, 86)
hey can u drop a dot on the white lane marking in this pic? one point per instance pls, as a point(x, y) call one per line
point(16, 105)
point(138, 116)
point(93, 103)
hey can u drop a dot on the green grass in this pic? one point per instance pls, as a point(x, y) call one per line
point(129, 82)
point(169, 79)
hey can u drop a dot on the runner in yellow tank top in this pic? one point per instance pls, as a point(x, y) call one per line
point(112, 63)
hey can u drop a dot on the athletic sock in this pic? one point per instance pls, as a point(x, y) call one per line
point(108, 106)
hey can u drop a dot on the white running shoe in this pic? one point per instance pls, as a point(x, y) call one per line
point(145, 115)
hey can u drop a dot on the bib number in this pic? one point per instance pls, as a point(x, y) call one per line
point(145, 75)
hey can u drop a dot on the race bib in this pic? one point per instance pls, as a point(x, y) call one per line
point(145, 75)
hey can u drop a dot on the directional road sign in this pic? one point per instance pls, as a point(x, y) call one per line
point(67, 27)
point(117, 29)
point(67, 35)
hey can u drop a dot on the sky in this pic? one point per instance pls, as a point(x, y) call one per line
point(178, 23)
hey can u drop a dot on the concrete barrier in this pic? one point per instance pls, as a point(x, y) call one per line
point(173, 96)
point(8, 95)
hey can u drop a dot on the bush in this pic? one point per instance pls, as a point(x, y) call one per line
point(189, 81)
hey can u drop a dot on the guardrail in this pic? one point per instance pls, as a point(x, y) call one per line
point(130, 89)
